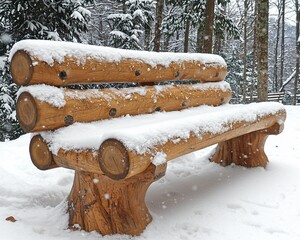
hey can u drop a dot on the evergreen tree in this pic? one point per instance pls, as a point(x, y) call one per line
point(128, 27)
point(189, 16)
point(9, 128)
point(44, 19)
point(234, 76)
point(35, 19)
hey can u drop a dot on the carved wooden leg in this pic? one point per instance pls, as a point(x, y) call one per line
point(246, 150)
point(97, 203)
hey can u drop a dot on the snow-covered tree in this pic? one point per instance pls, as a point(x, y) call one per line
point(44, 19)
point(128, 27)
point(9, 127)
point(189, 16)
point(35, 19)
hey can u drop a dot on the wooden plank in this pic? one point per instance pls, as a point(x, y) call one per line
point(27, 69)
point(91, 105)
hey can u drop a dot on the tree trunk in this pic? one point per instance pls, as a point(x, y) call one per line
point(245, 51)
point(124, 8)
point(282, 43)
point(148, 34)
point(199, 39)
point(262, 49)
point(186, 35)
point(253, 68)
point(209, 26)
point(275, 84)
point(177, 49)
point(298, 52)
point(159, 17)
point(167, 42)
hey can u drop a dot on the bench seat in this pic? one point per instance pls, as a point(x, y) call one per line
point(141, 133)
point(159, 137)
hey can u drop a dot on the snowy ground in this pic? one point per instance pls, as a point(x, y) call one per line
point(195, 200)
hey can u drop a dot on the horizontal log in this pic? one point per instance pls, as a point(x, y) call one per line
point(27, 68)
point(117, 162)
point(35, 114)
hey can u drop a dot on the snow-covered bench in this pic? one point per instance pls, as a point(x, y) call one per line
point(119, 141)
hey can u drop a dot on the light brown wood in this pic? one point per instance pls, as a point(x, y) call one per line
point(24, 72)
point(27, 111)
point(97, 203)
point(79, 160)
point(246, 150)
point(138, 163)
point(114, 159)
point(22, 68)
point(91, 105)
point(40, 154)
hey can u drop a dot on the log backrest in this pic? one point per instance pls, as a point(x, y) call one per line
point(48, 66)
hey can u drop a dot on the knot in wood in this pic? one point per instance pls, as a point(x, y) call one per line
point(62, 75)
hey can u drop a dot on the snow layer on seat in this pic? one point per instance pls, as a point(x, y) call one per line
point(140, 133)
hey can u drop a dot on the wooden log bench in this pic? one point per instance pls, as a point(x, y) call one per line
point(119, 141)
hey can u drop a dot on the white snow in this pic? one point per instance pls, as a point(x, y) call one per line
point(143, 132)
point(196, 199)
point(50, 51)
point(46, 93)
point(2, 59)
point(159, 158)
point(77, 15)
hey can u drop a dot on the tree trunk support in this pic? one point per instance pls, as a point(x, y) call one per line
point(246, 150)
point(97, 203)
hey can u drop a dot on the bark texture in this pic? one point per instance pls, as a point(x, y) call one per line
point(97, 203)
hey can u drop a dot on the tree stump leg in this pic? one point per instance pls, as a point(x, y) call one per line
point(246, 150)
point(97, 203)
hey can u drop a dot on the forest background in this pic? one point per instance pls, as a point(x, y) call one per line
point(257, 38)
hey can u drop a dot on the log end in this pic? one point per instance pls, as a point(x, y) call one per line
point(21, 68)
point(26, 111)
point(40, 154)
point(114, 159)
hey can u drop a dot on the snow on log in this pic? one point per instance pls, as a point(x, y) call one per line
point(138, 146)
point(62, 63)
point(41, 107)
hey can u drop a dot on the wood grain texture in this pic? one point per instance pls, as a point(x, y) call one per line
point(89, 160)
point(246, 150)
point(114, 159)
point(97, 203)
point(24, 72)
point(35, 115)
point(22, 68)
point(27, 111)
point(40, 154)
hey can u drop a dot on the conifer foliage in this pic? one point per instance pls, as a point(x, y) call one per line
point(34, 19)
point(44, 19)
point(127, 27)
